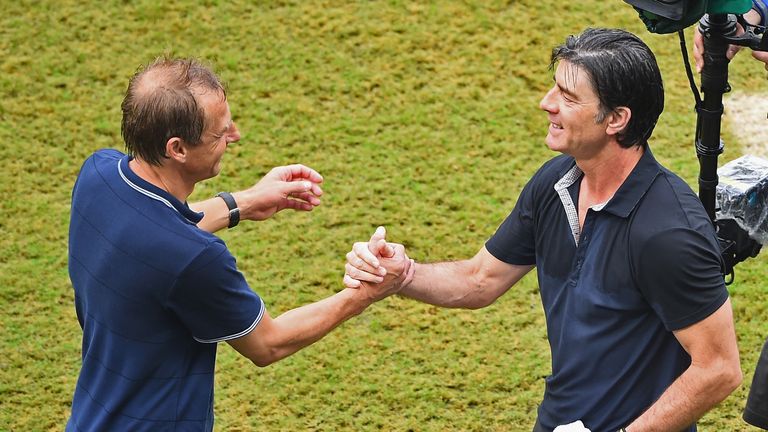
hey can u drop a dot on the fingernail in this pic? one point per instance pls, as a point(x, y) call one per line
point(307, 185)
point(382, 271)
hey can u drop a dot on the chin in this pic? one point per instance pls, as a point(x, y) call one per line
point(552, 145)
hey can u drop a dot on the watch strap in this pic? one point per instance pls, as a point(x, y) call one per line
point(234, 211)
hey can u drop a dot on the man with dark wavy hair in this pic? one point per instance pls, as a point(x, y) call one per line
point(155, 291)
point(639, 321)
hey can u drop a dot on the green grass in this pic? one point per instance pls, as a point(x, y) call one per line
point(421, 116)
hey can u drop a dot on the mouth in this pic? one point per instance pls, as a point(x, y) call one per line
point(555, 126)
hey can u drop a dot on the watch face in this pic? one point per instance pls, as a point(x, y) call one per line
point(234, 217)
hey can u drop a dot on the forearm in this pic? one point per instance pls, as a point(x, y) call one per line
point(216, 214)
point(300, 327)
point(447, 284)
point(695, 392)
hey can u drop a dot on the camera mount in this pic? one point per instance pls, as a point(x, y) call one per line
point(719, 32)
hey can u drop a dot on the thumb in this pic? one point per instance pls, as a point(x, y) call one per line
point(380, 234)
point(732, 50)
point(761, 56)
point(385, 250)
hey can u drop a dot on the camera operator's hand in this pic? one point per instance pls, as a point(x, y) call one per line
point(752, 17)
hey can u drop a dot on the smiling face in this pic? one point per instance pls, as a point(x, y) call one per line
point(219, 132)
point(576, 125)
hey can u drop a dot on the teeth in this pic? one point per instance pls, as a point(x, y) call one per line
point(556, 126)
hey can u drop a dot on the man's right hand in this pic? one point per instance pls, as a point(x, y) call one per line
point(377, 268)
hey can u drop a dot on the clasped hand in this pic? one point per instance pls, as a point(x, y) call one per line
point(377, 268)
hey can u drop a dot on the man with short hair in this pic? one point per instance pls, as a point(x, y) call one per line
point(638, 318)
point(155, 291)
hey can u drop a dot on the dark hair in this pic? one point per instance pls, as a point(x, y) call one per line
point(160, 104)
point(623, 72)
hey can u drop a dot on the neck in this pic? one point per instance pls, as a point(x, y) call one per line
point(605, 172)
point(163, 177)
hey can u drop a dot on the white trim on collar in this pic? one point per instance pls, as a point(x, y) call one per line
point(144, 191)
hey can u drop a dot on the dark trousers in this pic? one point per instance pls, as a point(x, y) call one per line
point(756, 411)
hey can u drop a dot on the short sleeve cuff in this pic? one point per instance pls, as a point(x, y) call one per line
point(250, 328)
point(699, 315)
point(506, 255)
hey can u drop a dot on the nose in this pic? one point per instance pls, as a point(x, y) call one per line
point(234, 136)
point(547, 102)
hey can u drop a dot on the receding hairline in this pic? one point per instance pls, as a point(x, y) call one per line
point(173, 75)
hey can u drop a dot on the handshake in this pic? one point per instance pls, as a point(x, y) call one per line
point(378, 269)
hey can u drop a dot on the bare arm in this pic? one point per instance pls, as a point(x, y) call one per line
point(274, 339)
point(472, 283)
point(713, 374)
point(216, 214)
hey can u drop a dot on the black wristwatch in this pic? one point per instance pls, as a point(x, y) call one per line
point(234, 212)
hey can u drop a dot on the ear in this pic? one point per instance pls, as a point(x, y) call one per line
point(176, 149)
point(618, 120)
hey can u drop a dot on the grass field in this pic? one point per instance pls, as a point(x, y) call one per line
point(421, 116)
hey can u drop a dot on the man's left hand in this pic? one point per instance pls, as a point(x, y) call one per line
point(294, 187)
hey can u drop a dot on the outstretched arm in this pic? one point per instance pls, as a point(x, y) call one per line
point(274, 339)
point(472, 283)
point(294, 187)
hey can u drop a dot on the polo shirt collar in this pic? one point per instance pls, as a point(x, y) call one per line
point(148, 189)
point(635, 186)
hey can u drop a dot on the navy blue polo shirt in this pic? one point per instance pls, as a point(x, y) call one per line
point(646, 263)
point(153, 295)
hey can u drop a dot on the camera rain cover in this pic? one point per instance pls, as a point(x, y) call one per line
point(742, 195)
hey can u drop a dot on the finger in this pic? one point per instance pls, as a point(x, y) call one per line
point(316, 189)
point(385, 249)
point(294, 187)
point(379, 234)
point(762, 56)
point(361, 275)
point(301, 172)
point(297, 205)
point(351, 283)
point(305, 197)
point(732, 50)
point(698, 49)
point(410, 274)
point(361, 250)
point(360, 264)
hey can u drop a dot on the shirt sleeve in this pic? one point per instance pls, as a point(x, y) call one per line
point(212, 298)
point(679, 273)
point(514, 240)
